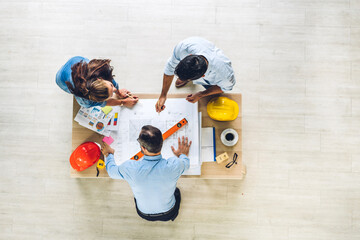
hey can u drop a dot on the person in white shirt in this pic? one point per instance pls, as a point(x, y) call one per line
point(200, 61)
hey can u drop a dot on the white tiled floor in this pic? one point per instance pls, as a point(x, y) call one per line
point(297, 65)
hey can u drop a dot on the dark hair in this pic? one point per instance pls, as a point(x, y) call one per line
point(88, 79)
point(151, 138)
point(191, 67)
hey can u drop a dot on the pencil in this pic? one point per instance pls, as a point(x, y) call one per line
point(129, 95)
point(158, 106)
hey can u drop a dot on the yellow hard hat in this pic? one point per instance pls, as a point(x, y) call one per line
point(222, 109)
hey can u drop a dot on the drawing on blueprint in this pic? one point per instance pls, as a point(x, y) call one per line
point(135, 126)
point(143, 113)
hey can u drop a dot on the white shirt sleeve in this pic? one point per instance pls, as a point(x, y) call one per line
point(228, 83)
point(179, 53)
point(115, 171)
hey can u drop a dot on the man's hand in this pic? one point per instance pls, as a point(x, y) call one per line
point(160, 104)
point(193, 98)
point(130, 101)
point(123, 93)
point(106, 149)
point(183, 148)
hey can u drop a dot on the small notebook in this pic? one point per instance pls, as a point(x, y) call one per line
point(208, 146)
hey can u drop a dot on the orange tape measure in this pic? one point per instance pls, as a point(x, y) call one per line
point(165, 135)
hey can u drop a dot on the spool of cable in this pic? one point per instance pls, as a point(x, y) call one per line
point(229, 137)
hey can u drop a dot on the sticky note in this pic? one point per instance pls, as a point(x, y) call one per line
point(106, 109)
point(222, 157)
point(109, 140)
point(115, 119)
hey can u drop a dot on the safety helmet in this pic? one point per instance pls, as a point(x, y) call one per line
point(85, 156)
point(222, 109)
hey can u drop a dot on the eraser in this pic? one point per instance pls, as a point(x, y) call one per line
point(109, 140)
point(222, 157)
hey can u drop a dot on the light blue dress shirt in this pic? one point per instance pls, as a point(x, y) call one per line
point(219, 70)
point(152, 180)
point(64, 75)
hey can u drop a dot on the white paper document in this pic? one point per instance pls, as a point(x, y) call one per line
point(94, 119)
point(143, 113)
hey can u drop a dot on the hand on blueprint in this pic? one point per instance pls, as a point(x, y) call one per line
point(123, 93)
point(130, 102)
point(160, 104)
point(183, 148)
point(106, 149)
point(193, 98)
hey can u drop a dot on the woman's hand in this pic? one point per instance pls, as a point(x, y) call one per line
point(130, 101)
point(123, 93)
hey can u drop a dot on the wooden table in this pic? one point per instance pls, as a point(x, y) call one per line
point(209, 170)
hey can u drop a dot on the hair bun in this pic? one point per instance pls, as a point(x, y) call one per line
point(85, 92)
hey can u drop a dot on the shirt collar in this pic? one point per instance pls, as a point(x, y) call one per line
point(152, 158)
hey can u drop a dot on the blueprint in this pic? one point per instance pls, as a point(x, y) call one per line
point(143, 113)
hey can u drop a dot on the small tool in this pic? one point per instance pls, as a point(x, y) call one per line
point(100, 165)
point(222, 157)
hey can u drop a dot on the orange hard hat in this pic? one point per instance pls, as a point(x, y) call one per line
point(85, 156)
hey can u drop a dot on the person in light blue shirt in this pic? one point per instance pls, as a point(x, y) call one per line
point(92, 83)
point(200, 61)
point(152, 179)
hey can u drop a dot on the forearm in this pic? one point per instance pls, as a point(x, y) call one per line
point(167, 80)
point(111, 168)
point(185, 163)
point(211, 91)
point(114, 102)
